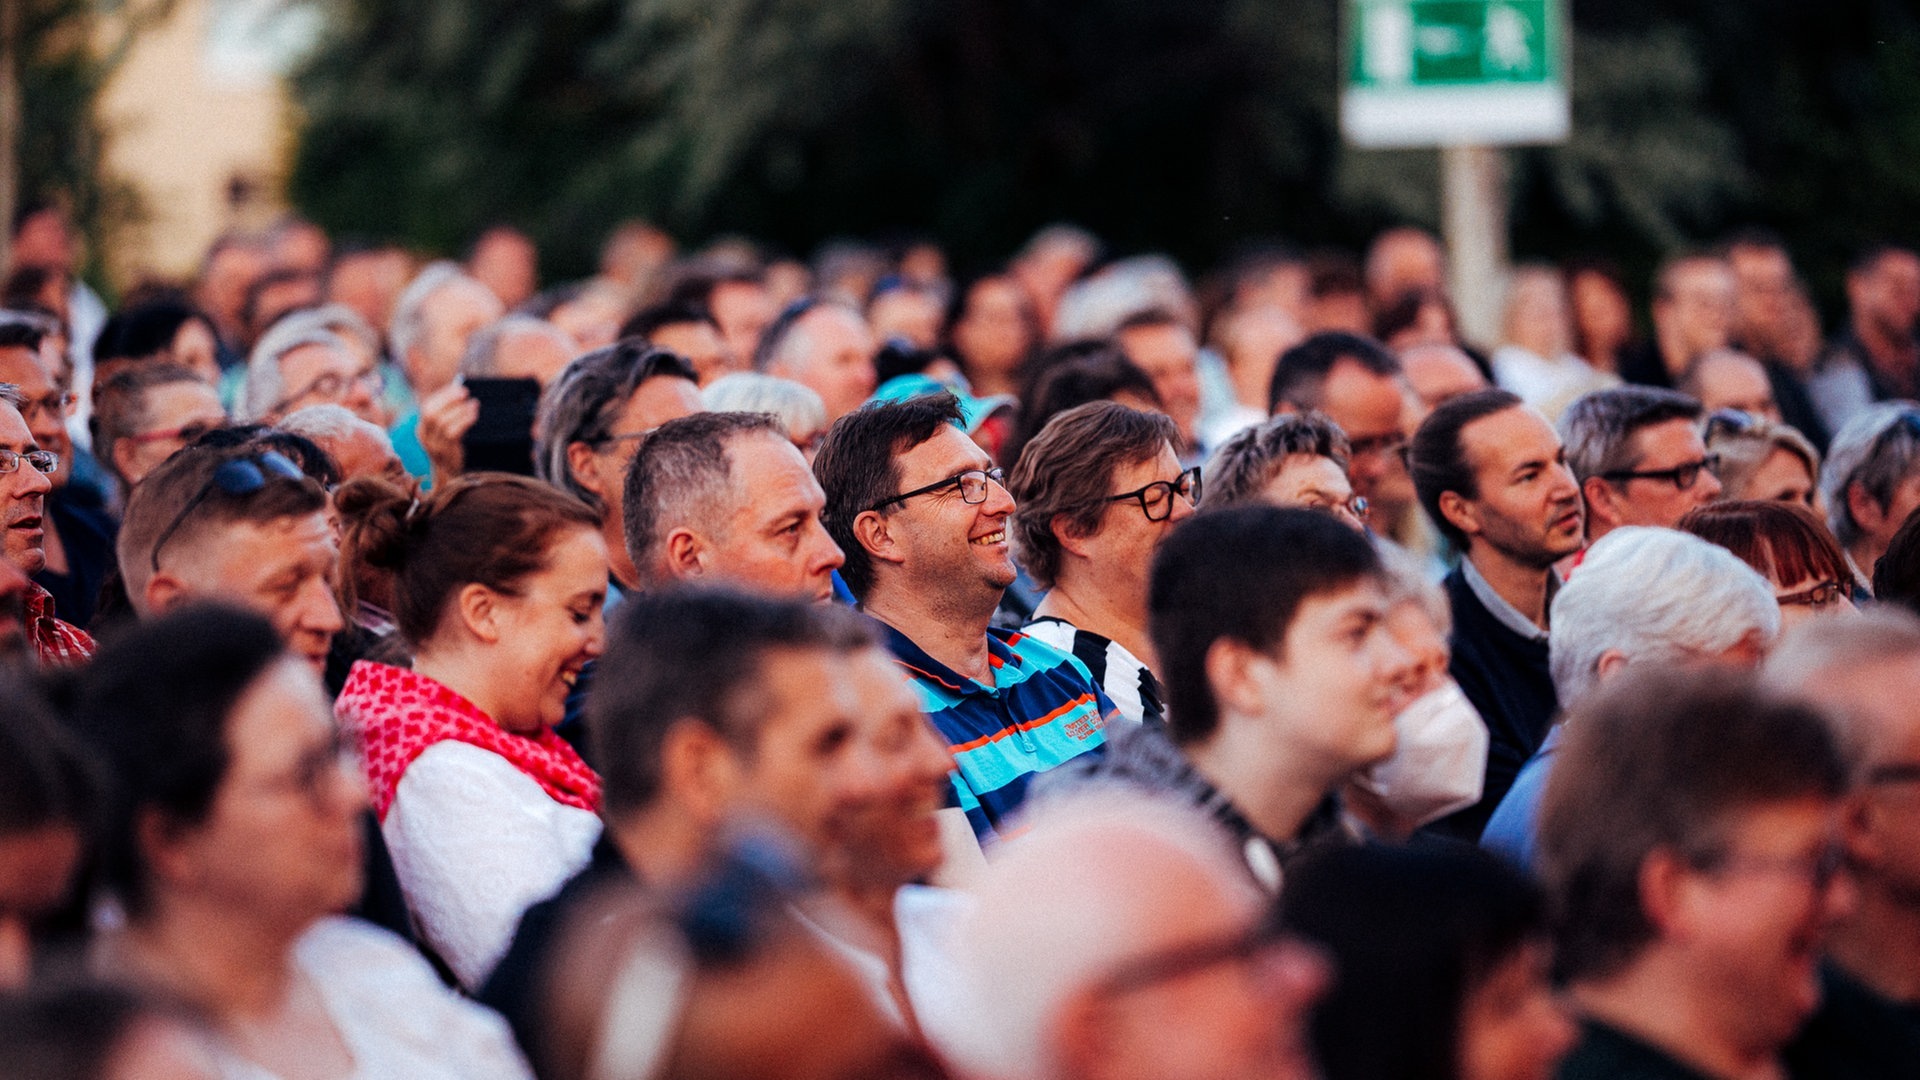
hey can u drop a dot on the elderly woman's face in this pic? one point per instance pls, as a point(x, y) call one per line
point(282, 839)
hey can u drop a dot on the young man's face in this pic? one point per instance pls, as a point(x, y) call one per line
point(1335, 683)
point(808, 766)
point(1751, 915)
point(1528, 507)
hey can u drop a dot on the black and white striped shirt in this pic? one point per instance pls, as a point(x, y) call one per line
point(1134, 690)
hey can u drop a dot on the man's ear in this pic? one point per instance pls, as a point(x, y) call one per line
point(1080, 1032)
point(874, 531)
point(479, 609)
point(1603, 504)
point(1460, 513)
point(1611, 663)
point(163, 593)
point(584, 464)
point(1866, 510)
point(1665, 881)
point(1068, 537)
point(123, 451)
point(686, 553)
point(698, 770)
point(1234, 671)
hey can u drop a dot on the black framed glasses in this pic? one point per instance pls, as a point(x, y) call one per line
point(1680, 476)
point(1822, 595)
point(1247, 946)
point(41, 461)
point(972, 485)
point(1156, 499)
point(333, 386)
point(236, 479)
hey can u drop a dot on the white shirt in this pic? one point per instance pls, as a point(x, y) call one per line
point(475, 843)
point(394, 1015)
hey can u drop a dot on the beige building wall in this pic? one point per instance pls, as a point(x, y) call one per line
point(201, 129)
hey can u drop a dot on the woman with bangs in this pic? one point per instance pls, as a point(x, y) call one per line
point(1789, 546)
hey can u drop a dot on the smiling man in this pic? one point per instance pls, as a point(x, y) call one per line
point(922, 516)
point(1493, 476)
point(24, 482)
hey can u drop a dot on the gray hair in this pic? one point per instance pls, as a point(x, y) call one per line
point(482, 358)
point(796, 406)
point(1249, 460)
point(1598, 428)
point(1833, 652)
point(1653, 595)
point(1407, 582)
point(682, 475)
point(1743, 452)
point(266, 385)
point(1876, 449)
point(332, 423)
point(11, 394)
point(409, 321)
point(1097, 306)
point(579, 406)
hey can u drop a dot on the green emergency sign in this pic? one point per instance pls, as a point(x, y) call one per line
point(1427, 72)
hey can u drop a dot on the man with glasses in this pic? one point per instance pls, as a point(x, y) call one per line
point(1689, 841)
point(1494, 479)
point(1639, 457)
point(921, 515)
point(1295, 459)
point(148, 413)
point(1871, 482)
point(25, 480)
point(592, 421)
point(77, 542)
point(1116, 937)
point(240, 525)
point(1099, 489)
point(286, 374)
point(1360, 386)
point(1865, 674)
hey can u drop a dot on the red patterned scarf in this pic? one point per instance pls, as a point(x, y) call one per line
point(396, 714)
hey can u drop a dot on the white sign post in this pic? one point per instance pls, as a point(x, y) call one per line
point(1466, 76)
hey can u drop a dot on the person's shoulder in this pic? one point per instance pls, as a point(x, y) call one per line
point(1606, 1053)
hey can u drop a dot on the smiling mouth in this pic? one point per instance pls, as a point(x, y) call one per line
point(998, 536)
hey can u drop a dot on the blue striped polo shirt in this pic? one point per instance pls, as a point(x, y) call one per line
point(1043, 710)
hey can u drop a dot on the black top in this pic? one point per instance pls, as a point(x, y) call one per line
point(1796, 406)
point(517, 989)
point(1506, 678)
point(1856, 1033)
point(1606, 1053)
point(1642, 365)
point(87, 533)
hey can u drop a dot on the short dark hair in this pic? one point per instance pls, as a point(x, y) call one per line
point(21, 333)
point(45, 777)
point(581, 404)
point(1662, 760)
point(1301, 374)
point(684, 469)
point(155, 705)
point(1249, 460)
point(1413, 930)
point(1437, 460)
point(647, 321)
point(1896, 576)
point(858, 466)
point(1067, 470)
point(142, 330)
point(694, 653)
point(1239, 574)
point(120, 406)
point(1069, 375)
point(1598, 428)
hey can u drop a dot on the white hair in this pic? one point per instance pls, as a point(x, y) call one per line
point(409, 322)
point(1059, 906)
point(1824, 661)
point(482, 358)
point(266, 385)
point(329, 423)
point(1653, 595)
point(796, 406)
point(1095, 307)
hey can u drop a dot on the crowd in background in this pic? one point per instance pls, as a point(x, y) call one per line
point(730, 665)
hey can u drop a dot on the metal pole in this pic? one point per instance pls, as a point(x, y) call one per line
point(1473, 192)
point(9, 123)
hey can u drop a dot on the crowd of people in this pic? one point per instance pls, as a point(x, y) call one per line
point(733, 666)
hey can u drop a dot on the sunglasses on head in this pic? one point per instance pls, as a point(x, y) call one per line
point(236, 478)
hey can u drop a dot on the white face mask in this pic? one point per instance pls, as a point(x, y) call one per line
point(1441, 762)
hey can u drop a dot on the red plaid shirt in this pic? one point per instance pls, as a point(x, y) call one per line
point(54, 641)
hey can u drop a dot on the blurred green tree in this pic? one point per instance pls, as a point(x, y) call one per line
point(1186, 127)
